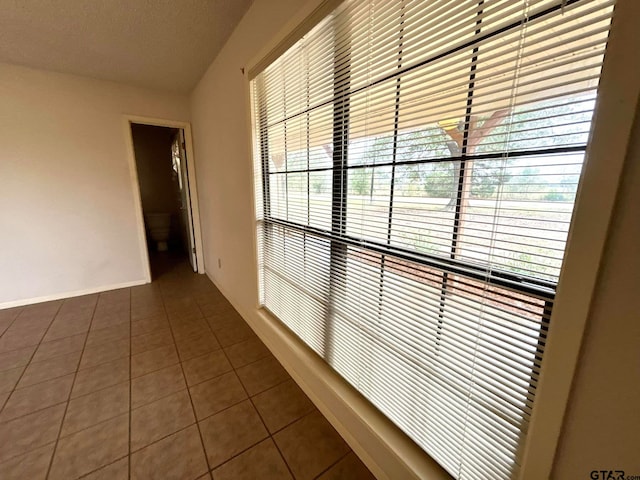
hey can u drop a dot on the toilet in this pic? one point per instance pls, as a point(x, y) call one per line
point(159, 225)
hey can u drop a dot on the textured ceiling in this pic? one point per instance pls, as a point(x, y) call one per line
point(164, 44)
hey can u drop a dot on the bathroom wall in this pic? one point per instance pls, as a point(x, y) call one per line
point(159, 188)
point(67, 212)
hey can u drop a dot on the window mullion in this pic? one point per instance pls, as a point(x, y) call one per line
point(394, 155)
point(463, 172)
point(338, 250)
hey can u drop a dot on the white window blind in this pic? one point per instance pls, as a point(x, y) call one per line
point(416, 168)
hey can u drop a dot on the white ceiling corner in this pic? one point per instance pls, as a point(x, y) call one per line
point(160, 44)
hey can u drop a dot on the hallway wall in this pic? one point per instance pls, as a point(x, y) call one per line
point(68, 220)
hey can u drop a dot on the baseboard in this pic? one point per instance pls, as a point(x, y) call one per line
point(75, 293)
point(382, 446)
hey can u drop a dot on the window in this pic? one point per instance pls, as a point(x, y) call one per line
point(416, 169)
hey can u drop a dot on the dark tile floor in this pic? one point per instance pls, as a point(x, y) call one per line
point(161, 381)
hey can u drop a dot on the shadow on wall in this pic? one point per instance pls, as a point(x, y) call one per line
point(159, 185)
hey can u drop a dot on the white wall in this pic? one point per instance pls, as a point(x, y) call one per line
point(67, 217)
point(222, 136)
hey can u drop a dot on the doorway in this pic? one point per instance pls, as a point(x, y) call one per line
point(163, 175)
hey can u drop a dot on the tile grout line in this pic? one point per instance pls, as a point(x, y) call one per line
point(21, 309)
point(75, 375)
point(37, 345)
point(334, 463)
point(85, 475)
point(164, 437)
point(269, 436)
point(174, 324)
point(269, 433)
point(105, 420)
point(193, 409)
point(45, 380)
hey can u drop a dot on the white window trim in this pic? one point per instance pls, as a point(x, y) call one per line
point(614, 115)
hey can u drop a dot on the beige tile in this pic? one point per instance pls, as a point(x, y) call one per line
point(44, 308)
point(178, 457)
point(213, 305)
point(52, 368)
point(261, 461)
point(231, 431)
point(218, 322)
point(30, 466)
point(17, 340)
point(109, 318)
point(111, 312)
point(192, 347)
point(281, 405)
point(160, 418)
point(151, 340)
point(146, 312)
point(112, 333)
point(103, 353)
point(224, 315)
point(117, 306)
point(56, 348)
point(234, 334)
point(9, 379)
point(8, 315)
point(16, 358)
point(101, 376)
point(87, 450)
point(310, 446)
point(81, 302)
point(155, 385)
point(74, 313)
point(149, 324)
point(349, 468)
point(177, 302)
point(118, 470)
point(121, 295)
point(248, 351)
point(3, 398)
point(96, 407)
point(183, 329)
point(153, 360)
point(106, 307)
point(262, 375)
point(22, 334)
point(36, 397)
point(205, 367)
point(67, 327)
point(217, 394)
point(30, 432)
point(186, 314)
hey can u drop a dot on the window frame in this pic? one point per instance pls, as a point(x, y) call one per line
point(614, 114)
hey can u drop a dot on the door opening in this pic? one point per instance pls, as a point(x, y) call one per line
point(161, 164)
